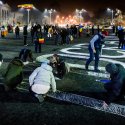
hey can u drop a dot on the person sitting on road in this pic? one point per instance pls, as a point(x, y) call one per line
point(26, 55)
point(116, 87)
point(41, 80)
point(14, 74)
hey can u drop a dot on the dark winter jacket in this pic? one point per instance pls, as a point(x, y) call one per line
point(121, 34)
point(116, 87)
point(14, 73)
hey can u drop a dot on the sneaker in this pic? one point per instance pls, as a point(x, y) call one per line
point(39, 97)
point(86, 67)
point(26, 45)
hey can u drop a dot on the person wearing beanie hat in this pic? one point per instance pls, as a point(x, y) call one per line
point(116, 87)
point(41, 80)
point(94, 50)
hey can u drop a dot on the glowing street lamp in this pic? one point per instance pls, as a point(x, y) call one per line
point(80, 13)
point(28, 7)
point(110, 10)
point(50, 13)
point(1, 3)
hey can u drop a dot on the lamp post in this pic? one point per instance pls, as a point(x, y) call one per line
point(1, 3)
point(28, 13)
point(80, 13)
point(50, 14)
point(110, 10)
point(27, 7)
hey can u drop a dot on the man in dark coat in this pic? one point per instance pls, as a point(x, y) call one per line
point(121, 37)
point(116, 87)
point(38, 35)
point(25, 34)
point(17, 32)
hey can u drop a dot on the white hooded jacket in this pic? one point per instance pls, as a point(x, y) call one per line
point(43, 75)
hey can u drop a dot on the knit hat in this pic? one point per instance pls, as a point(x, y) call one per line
point(111, 68)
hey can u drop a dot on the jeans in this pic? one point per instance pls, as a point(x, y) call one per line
point(37, 46)
point(91, 58)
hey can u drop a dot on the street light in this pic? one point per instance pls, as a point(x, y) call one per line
point(1, 3)
point(80, 13)
point(50, 12)
point(110, 10)
point(27, 7)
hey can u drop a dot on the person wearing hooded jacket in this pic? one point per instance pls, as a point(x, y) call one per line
point(41, 80)
point(116, 87)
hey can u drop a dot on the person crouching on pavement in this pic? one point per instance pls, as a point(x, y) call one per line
point(42, 80)
point(116, 87)
point(13, 75)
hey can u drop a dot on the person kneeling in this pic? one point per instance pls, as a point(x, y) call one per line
point(116, 87)
point(14, 74)
point(41, 80)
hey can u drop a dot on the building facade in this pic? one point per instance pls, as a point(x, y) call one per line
point(5, 14)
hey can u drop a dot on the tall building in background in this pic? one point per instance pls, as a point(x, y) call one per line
point(9, 17)
point(5, 14)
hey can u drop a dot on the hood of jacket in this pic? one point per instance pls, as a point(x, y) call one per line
point(46, 67)
point(112, 68)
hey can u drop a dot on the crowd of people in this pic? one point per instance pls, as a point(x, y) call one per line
point(60, 35)
point(42, 79)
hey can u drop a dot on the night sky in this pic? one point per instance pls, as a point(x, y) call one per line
point(68, 6)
